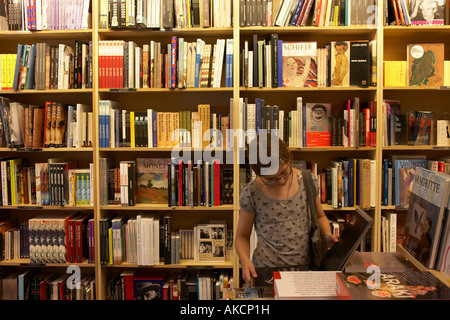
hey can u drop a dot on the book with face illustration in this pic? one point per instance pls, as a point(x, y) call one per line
point(299, 64)
point(316, 121)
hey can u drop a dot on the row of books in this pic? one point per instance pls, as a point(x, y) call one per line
point(165, 15)
point(153, 129)
point(149, 239)
point(21, 15)
point(188, 284)
point(398, 172)
point(349, 182)
point(60, 238)
point(165, 181)
point(44, 66)
point(307, 13)
point(56, 182)
point(405, 13)
point(312, 124)
point(276, 63)
point(32, 127)
point(179, 64)
point(34, 284)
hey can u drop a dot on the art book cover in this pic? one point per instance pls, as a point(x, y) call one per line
point(427, 12)
point(404, 171)
point(299, 64)
point(340, 63)
point(429, 198)
point(410, 285)
point(211, 242)
point(152, 180)
point(425, 64)
point(148, 285)
point(317, 124)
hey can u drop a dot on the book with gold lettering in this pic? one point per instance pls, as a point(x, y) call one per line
point(152, 180)
point(299, 64)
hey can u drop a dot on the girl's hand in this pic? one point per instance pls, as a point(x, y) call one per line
point(330, 239)
point(248, 272)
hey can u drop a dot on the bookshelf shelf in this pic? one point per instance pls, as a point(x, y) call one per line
point(46, 35)
point(88, 150)
point(418, 89)
point(159, 34)
point(159, 149)
point(351, 31)
point(309, 89)
point(163, 207)
point(405, 147)
point(183, 264)
point(40, 207)
point(324, 149)
point(26, 263)
point(166, 90)
point(50, 91)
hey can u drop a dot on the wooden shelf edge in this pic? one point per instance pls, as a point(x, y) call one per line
point(26, 263)
point(167, 208)
point(183, 264)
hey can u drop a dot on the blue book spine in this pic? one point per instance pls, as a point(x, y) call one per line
point(17, 69)
point(296, 13)
point(385, 181)
point(155, 131)
point(258, 114)
point(30, 75)
point(345, 181)
point(107, 126)
point(280, 63)
point(197, 62)
point(357, 182)
point(100, 123)
point(304, 125)
point(351, 182)
point(117, 119)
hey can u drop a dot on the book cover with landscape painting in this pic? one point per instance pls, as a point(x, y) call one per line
point(152, 180)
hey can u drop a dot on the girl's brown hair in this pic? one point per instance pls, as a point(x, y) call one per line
point(282, 152)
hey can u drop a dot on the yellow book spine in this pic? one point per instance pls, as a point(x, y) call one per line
point(132, 136)
point(110, 246)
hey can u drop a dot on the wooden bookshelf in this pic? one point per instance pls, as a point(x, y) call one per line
point(391, 45)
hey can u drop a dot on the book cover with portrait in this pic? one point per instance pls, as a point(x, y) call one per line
point(427, 12)
point(425, 64)
point(428, 202)
point(299, 64)
point(340, 63)
point(317, 124)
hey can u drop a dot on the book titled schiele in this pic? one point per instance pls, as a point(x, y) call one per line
point(429, 198)
point(299, 64)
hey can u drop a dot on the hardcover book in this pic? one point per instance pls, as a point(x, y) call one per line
point(409, 285)
point(429, 198)
point(317, 120)
point(404, 171)
point(425, 64)
point(299, 64)
point(152, 180)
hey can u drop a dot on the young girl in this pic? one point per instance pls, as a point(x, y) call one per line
point(276, 206)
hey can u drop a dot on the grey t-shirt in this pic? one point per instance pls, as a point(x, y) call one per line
point(281, 226)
